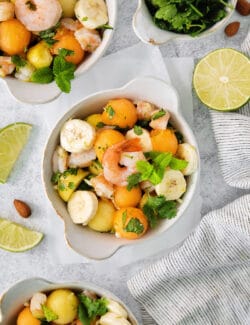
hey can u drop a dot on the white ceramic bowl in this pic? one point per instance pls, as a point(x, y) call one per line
point(83, 240)
point(12, 301)
point(34, 93)
point(148, 32)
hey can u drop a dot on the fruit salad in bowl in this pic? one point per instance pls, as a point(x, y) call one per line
point(121, 167)
point(53, 40)
point(37, 302)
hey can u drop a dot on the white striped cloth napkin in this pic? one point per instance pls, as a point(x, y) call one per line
point(206, 281)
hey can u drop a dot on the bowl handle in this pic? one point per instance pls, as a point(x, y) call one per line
point(146, 30)
point(16, 294)
point(141, 87)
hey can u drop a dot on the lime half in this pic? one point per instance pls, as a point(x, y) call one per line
point(222, 79)
point(12, 140)
point(16, 238)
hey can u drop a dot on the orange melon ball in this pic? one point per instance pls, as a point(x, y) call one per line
point(14, 37)
point(105, 139)
point(124, 198)
point(25, 317)
point(130, 223)
point(69, 42)
point(120, 112)
point(164, 141)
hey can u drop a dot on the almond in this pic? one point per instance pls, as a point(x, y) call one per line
point(22, 208)
point(232, 28)
point(243, 7)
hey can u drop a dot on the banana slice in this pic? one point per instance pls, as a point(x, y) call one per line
point(187, 152)
point(172, 186)
point(77, 136)
point(144, 138)
point(112, 319)
point(115, 308)
point(91, 13)
point(82, 207)
point(60, 160)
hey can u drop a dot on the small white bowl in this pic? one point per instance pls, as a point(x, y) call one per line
point(35, 93)
point(83, 240)
point(148, 32)
point(11, 302)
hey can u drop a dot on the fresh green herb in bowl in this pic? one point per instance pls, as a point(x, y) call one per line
point(187, 17)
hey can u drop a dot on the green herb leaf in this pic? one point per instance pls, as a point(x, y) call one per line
point(42, 76)
point(84, 187)
point(97, 307)
point(63, 70)
point(138, 130)
point(49, 315)
point(105, 26)
point(83, 315)
point(178, 164)
point(61, 186)
point(31, 5)
point(55, 178)
point(157, 207)
point(100, 125)
point(48, 35)
point(110, 111)
point(18, 61)
point(133, 180)
point(71, 185)
point(159, 114)
point(134, 225)
point(85, 18)
point(70, 171)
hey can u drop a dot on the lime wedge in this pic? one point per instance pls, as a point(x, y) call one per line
point(222, 79)
point(16, 238)
point(12, 140)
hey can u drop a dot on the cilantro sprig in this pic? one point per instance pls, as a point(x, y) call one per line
point(153, 169)
point(89, 308)
point(48, 35)
point(61, 71)
point(157, 207)
point(187, 17)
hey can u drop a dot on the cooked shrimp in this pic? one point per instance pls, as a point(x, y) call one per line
point(144, 110)
point(102, 187)
point(7, 11)
point(71, 24)
point(88, 39)
point(38, 15)
point(161, 122)
point(129, 159)
point(60, 160)
point(112, 170)
point(82, 159)
point(6, 66)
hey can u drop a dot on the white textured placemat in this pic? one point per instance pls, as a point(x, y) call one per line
point(118, 69)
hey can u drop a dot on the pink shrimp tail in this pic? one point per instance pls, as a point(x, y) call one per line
point(131, 145)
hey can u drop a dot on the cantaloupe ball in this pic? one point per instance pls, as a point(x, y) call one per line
point(14, 37)
point(124, 198)
point(25, 317)
point(164, 141)
point(120, 112)
point(69, 42)
point(105, 139)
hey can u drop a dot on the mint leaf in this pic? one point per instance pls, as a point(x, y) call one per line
point(82, 315)
point(138, 130)
point(145, 169)
point(133, 180)
point(49, 315)
point(178, 164)
point(134, 225)
point(65, 52)
point(167, 210)
point(42, 76)
point(63, 70)
point(55, 178)
point(18, 61)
